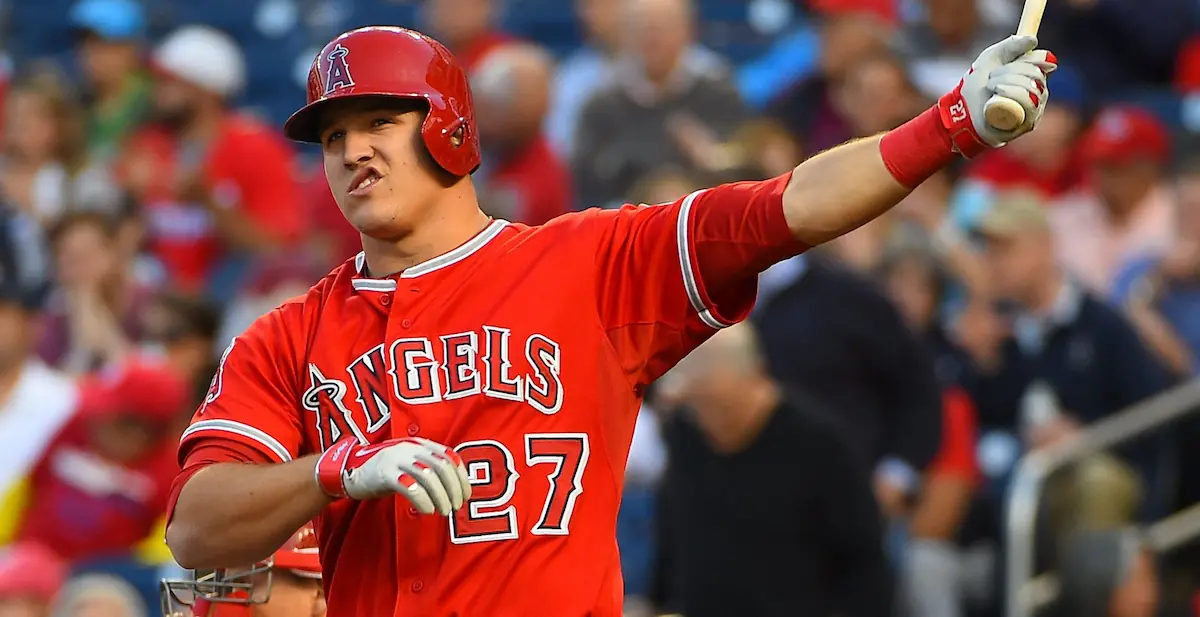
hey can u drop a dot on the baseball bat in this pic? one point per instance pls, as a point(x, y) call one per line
point(1004, 114)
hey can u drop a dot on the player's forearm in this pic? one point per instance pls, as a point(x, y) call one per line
point(232, 514)
point(838, 191)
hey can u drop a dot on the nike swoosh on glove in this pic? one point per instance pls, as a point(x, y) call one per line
point(1013, 69)
point(429, 475)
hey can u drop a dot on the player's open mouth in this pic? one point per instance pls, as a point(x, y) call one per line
point(363, 181)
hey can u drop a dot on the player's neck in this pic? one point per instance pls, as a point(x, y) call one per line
point(452, 222)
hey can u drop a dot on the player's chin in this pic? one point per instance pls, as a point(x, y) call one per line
point(378, 225)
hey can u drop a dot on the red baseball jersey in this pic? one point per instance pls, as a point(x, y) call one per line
point(527, 349)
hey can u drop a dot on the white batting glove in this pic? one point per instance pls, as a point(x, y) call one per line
point(1013, 69)
point(429, 475)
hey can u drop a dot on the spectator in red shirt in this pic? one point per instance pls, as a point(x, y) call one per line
point(467, 27)
point(523, 179)
point(216, 186)
point(102, 485)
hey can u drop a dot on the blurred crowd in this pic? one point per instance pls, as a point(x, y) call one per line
point(149, 212)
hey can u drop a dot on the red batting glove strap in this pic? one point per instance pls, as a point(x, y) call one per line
point(957, 122)
point(332, 465)
point(917, 149)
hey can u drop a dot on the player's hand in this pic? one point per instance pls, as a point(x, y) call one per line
point(429, 475)
point(1013, 69)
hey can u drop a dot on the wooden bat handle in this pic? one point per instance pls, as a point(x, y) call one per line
point(1005, 114)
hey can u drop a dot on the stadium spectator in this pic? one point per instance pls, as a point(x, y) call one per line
point(522, 179)
point(1161, 290)
point(625, 130)
point(184, 331)
point(1062, 334)
point(583, 73)
point(733, 434)
point(940, 47)
point(876, 95)
point(217, 187)
point(110, 39)
point(932, 561)
point(45, 171)
point(94, 313)
point(30, 579)
point(869, 373)
point(808, 109)
point(1128, 209)
point(101, 487)
point(468, 27)
point(35, 403)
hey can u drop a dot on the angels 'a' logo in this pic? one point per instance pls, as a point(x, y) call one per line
point(214, 388)
point(338, 74)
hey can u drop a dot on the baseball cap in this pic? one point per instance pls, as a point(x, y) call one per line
point(136, 386)
point(1125, 133)
point(1014, 214)
point(116, 20)
point(30, 571)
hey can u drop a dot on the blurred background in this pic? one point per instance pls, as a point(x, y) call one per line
point(992, 395)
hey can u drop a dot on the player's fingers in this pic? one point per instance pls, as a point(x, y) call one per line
point(464, 480)
point(1012, 85)
point(1020, 74)
point(444, 469)
point(412, 490)
point(1041, 58)
point(424, 474)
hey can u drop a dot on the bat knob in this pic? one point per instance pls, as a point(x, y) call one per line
point(1003, 114)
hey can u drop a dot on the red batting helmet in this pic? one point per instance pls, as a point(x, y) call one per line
point(396, 62)
point(231, 593)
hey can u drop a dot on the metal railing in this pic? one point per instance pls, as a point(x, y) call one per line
point(1024, 593)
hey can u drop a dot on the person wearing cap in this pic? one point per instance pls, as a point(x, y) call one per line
point(217, 186)
point(111, 34)
point(102, 486)
point(1126, 210)
point(31, 577)
point(1069, 359)
point(36, 402)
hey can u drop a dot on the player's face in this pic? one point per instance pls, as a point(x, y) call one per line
point(293, 596)
point(383, 179)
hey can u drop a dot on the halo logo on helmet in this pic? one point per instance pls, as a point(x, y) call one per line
point(338, 75)
point(401, 64)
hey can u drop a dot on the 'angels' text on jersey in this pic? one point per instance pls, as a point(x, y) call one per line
point(422, 371)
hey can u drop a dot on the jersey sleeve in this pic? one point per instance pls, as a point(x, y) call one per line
point(670, 275)
point(253, 399)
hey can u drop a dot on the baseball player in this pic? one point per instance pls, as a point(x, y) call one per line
point(288, 584)
point(455, 405)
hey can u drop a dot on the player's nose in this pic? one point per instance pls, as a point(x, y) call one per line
point(357, 149)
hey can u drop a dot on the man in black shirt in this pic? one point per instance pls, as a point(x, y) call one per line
point(768, 511)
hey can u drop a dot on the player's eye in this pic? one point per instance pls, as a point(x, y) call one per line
point(378, 122)
point(334, 136)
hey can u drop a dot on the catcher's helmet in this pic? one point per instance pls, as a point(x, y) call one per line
point(396, 62)
point(230, 593)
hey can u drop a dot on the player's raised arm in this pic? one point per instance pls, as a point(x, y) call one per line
point(838, 190)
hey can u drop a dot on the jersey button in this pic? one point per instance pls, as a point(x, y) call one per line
point(412, 513)
point(386, 300)
point(413, 429)
point(407, 323)
point(417, 586)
